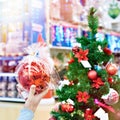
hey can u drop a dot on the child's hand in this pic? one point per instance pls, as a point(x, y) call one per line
point(32, 99)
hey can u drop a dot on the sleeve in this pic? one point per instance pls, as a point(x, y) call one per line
point(26, 114)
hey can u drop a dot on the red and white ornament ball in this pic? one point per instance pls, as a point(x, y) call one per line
point(111, 69)
point(111, 98)
point(33, 74)
point(66, 107)
point(92, 74)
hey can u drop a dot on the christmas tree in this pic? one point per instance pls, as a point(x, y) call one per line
point(92, 88)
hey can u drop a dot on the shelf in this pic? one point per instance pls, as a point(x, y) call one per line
point(10, 58)
point(43, 101)
point(6, 99)
point(8, 74)
point(60, 47)
point(80, 24)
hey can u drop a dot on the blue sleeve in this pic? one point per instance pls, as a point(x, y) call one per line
point(26, 114)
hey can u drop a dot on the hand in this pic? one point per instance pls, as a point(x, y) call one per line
point(33, 99)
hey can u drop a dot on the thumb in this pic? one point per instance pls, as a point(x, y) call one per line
point(32, 91)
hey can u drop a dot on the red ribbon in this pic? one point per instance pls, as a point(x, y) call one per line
point(104, 105)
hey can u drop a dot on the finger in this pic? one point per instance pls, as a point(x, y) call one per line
point(24, 94)
point(19, 88)
point(32, 91)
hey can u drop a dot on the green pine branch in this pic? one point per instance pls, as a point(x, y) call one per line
point(92, 22)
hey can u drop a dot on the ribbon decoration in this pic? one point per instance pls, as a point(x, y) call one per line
point(104, 105)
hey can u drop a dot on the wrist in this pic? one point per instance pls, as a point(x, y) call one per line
point(29, 106)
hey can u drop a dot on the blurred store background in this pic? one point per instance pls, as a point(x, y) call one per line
point(58, 23)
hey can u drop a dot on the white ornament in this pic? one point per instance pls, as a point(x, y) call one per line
point(63, 83)
point(70, 101)
point(100, 49)
point(86, 64)
point(111, 98)
point(101, 114)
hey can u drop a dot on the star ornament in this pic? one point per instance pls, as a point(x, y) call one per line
point(82, 55)
point(82, 96)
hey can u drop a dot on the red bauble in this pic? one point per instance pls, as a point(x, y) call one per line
point(92, 74)
point(75, 49)
point(107, 51)
point(111, 69)
point(66, 107)
point(110, 80)
point(33, 74)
